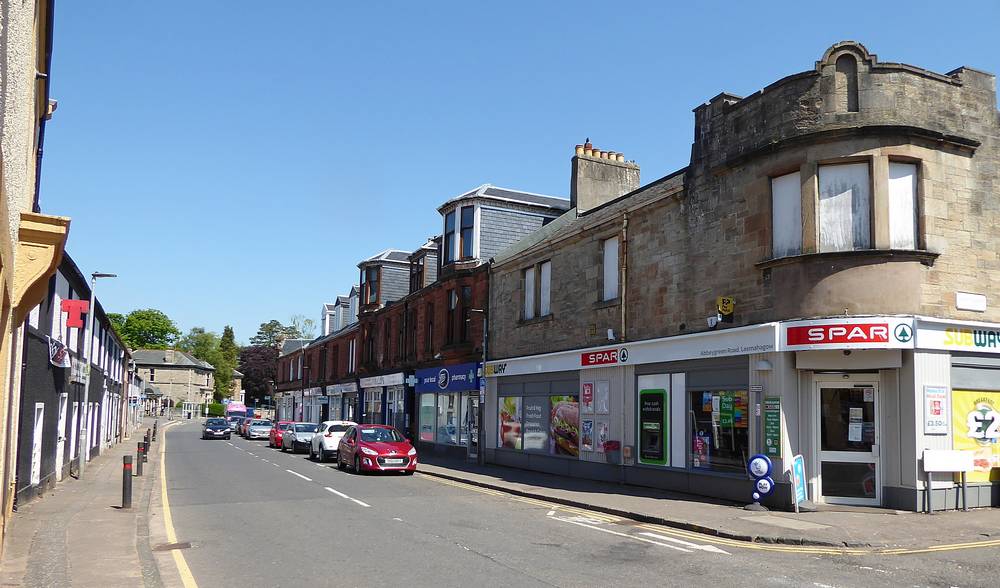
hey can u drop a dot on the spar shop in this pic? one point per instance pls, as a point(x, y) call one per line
point(860, 398)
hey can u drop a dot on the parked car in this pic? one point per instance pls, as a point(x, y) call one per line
point(259, 429)
point(324, 443)
point(298, 436)
point(376, 448)
point(243, 426)
point(233, 421)
point(215, 428)
point(274, 439)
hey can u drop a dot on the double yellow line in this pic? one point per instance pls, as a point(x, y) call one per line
point(168, 521)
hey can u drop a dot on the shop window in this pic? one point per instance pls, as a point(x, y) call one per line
point(902, 205)
point(786, 215)
point(719, 435)
point(449, 237)
point(542, 424)
point(510, 422)
point(610, 249)
point(449, 413)
point(844, 207)
point(427, 417)
point(468, 222)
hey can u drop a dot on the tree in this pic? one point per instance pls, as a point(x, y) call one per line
point(117, 321)
point(273, 334)
point(259, 364)
point(149, 329)
point(229, 354)
point(302, 327)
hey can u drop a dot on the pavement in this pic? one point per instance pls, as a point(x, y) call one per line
point(78, 535)
point(855, 527)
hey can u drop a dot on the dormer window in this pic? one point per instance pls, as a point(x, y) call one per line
point(370, 285)
point(468, 222)
point(449, 237)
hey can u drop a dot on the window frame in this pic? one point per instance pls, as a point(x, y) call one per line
point(604, 268)
point(916, 195)
point(774, 207)
point(870, 209)
point(449, 237)
point(529, 299)
point(466, 241)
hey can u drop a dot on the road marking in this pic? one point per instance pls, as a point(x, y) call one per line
point(168, 521)
point(264, 460)
point(230, 444)
point(251, 454)
point(299, 475)
point(618, 534)
point(342, 495)
point(709, 548)
point(275, 465)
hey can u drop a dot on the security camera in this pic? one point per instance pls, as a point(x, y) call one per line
point(713, 321)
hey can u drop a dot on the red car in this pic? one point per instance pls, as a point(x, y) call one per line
point(276, 432)
point(376, 448)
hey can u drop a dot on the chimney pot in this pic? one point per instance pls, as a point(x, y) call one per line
point(587, 144)
point(588, 150)
point(579, 149)
point(620, 157)
point(603, 154)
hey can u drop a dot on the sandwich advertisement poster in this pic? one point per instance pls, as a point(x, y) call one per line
point(976, 427)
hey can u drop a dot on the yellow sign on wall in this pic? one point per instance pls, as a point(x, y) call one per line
point(976, 427)
point(726, 305)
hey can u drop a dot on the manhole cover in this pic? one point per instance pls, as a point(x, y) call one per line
point(169, 546)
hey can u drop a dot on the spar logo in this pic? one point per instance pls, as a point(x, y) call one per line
point(833, 334)
point(605, 357)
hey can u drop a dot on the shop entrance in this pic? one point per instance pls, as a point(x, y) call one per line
point(847, 420)
point(472, 423)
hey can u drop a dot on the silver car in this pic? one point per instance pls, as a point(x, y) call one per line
point(298, 436)
point(259, 429)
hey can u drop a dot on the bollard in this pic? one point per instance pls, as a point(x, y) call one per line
point(138, 459)
point(154, 430)
point(126, 481)
point(145, 449)
point(149, 434)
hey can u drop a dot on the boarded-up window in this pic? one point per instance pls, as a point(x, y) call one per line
point(610, 269)
point(529, 293)
point(545, 289)
point(902, 205)
point(844, 207)
point(786, 215)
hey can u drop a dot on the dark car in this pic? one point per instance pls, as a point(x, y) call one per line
point(216, 428)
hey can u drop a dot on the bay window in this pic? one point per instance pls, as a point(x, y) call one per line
point(902, 205)
point(786, 215)
point(468, 222)
point(449, 237)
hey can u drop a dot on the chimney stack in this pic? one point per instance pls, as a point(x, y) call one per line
point(599, 176)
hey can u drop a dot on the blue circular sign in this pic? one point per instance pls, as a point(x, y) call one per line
point(759, 466)
point(764, 486)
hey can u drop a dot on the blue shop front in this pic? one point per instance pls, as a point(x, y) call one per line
point(448, 401)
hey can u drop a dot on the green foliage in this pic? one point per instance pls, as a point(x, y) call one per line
point(147, 329)
point(221, 353)
point(117, 321)
point(216, 409)
point(273, 334)
point(302, 328)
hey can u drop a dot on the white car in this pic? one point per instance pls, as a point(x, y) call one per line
point(298, 436)
point(325, 442)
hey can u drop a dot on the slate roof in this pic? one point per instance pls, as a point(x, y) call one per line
point(154, 357)
point(508, 195)
point(396, 255)
point(291, 345)
point(237, 374)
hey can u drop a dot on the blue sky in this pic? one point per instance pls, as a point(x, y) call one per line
point(233, 160)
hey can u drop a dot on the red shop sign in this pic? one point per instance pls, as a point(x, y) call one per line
point(834, 334)
point(605, 357)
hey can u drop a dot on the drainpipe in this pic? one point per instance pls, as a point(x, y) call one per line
point(624, 273)
point(49, 31)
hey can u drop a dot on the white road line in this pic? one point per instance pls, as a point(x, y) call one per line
point(625, 535)
point(710, 548)
point(264, 460)
point(275, 465)
point(251, 454)
point(299, 475)
point(230, 444)
point(342, 495)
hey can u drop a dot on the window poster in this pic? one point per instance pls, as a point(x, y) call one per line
point(510, 422)
point(976, 427)
point(587, 435)
point(602, 400)
point(603, 434)
point(564, 427)
point(700, 451)
point(535, 426)
point(587, 397)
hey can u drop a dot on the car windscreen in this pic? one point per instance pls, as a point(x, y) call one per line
point(381, 435)
point(305, 428)
point(338, 428)
point(260, 424)
point(216, 423)
point(284, 426)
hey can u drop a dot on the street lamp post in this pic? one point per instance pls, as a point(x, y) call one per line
point(480, 458)
point(88, 345)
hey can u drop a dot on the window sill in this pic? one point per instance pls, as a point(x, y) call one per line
point(537, 320)
point(925, 257)
point(607, 303)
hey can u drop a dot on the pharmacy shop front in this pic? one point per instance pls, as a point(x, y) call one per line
point(448, 409)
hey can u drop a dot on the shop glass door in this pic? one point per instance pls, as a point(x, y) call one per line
point(472, 418)
point(849, 443)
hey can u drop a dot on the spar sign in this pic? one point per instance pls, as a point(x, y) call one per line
point(848, 333)
point(604, 357)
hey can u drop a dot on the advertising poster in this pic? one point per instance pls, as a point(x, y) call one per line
point(726, 407)
point(772, 427)
point(587, 435)
point(976, 427)
point(741, 410)
point(535, 423)
point(603, 432)
point(510, 422)
point(603, 397)
point(564, 426)
point(699, 451)
point(936, 410)
point(587, 397)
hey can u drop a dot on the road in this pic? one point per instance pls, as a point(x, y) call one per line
point(257, 517)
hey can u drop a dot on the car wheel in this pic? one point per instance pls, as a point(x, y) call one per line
point(283, 448)
point(357, 464)
point(408, 472)
point(340, 464)
point(227, 437)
